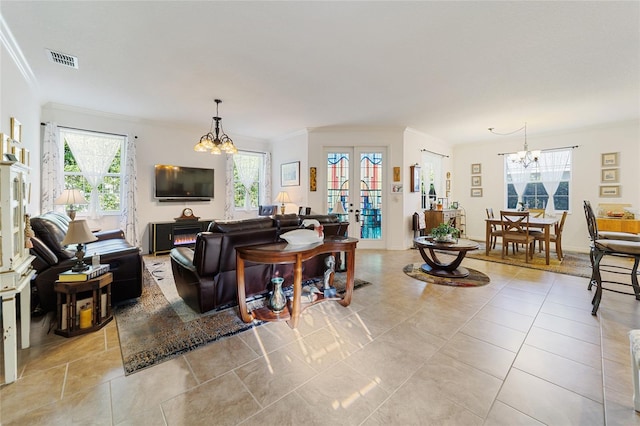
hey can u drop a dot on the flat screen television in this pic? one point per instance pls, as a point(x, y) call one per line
point(177, 183)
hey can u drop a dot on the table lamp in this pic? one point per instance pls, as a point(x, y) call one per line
point(338, 208)
point(79, 234)
point(282, 198)
point(70, 197)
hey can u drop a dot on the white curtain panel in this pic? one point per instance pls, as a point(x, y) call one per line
point(229, 203)
point(519, 176)
point(265, 190)
point(52, 179)
point(552, 166)
point(128, 203)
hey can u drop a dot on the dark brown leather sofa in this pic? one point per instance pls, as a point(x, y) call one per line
point(205, 276)
point(125, 260)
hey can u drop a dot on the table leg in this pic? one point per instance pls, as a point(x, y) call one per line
point(10, 338)
point(487, 238)
point(25, 316)
point(297, 292)
point(547, 242)
point(346, 300)
point(242, 297)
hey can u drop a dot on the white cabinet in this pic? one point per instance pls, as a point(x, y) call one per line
point(15, 261)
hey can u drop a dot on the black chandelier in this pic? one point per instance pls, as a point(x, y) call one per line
point(217, 143)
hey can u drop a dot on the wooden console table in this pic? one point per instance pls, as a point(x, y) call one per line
point(283, 253)
point(618, 225)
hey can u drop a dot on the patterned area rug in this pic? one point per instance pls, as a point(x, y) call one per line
point(475, 278)
point(577, 264)
point(160, 326)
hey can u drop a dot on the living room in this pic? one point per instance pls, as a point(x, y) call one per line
point(599, 114)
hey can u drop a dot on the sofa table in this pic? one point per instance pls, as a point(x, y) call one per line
point(283, 253)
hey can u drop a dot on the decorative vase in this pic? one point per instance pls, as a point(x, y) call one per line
point(278, 300)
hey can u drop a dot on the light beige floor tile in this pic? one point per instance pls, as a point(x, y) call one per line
point(580, 314)
point(90, 406)
point(290, 410)
point(149, 387)
point(439, 321)
point(515, 305)
point(269, 337)
point(420, 402)
point(221, 401)
point(523, 295)
point(565, 346)
point(503, 415)
point(473, 389)
point(618, 375)
point(93, 370)
point(322, 349)
point(575, 329)
point(31, 392)
point(547, 402)
point(219, 357)
point(341, 395)
point(506, 317)
point(479, 354)
point(571, 375)
point(270, 377)
point(493, 333)
point(152, 416)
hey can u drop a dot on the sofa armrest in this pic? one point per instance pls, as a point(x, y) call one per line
point(110, 234)
point(184, 257)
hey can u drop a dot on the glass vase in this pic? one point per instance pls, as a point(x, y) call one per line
point(278, 300)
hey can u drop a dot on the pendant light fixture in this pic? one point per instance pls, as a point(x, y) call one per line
point(216, 143)
point(524, 157)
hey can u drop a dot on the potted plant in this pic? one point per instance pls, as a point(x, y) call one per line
point(445, 232)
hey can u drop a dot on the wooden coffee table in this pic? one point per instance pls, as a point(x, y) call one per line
point(435, 266)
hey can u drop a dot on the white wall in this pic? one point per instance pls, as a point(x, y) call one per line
point(156, 143)
point(290, 148)
point(592, 142)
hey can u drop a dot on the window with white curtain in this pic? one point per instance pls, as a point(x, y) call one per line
point(248, 177)
point(531, 186)
point(93, 163)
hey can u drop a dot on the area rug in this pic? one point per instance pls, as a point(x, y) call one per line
point(160, 326)
point(475, 278)
point(577, 264)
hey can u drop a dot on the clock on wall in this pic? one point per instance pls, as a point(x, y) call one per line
point(187, 214)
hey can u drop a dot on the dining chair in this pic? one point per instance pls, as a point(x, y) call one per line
point(556, 237)
point(267, 210)
point(515, 230)
point(536, 212)
point(495, 232)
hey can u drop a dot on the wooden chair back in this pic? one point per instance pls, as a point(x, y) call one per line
point(515, 222)
point(560, 226)
point(592, 224)
point(536, 212)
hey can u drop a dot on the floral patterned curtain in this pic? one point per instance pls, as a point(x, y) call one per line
point(52, 179)
point(129, 215)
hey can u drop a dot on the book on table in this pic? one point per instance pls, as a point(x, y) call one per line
point(89, 274)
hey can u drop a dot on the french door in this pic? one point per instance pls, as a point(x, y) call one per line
point(355, 179)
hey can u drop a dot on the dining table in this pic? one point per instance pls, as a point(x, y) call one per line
point(536, 223)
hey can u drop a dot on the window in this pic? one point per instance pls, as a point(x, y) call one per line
point(248, 179)
point(531, 186)
point(431, 173)
point(93, 163)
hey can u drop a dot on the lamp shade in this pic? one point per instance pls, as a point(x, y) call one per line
point(283, 197)
point(78, 233)
point(70, 196)
point(338, 208)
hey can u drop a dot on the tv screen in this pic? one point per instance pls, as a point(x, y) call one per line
point(181, 183)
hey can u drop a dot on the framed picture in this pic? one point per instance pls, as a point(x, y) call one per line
point(609, 191)
point(610, 159)
point(476, 180)
point(448, 185)
point(313, 183)
point(476, 192)
point(290, 174)
point(396, 174)
point(476, 168)
point(415, 178)
point(5, 143)
point(396, 187)
point(10, 157)
point(16, 130)
point(609, 175)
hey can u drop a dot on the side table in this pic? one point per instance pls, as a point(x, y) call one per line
point(67, 293)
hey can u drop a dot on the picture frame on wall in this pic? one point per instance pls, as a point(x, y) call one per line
point(290, 174)
point(610, 159)
point(415, 178)
point(609, 191)
point(313, 183)
point(476, 168)
point(16, 130)
point(609, 176)
point(396, 174)
point(476, 192)
point(476, 180)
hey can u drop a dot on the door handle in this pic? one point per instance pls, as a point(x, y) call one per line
point(357, 215)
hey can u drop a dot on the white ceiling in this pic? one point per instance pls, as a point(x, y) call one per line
point(448, 69)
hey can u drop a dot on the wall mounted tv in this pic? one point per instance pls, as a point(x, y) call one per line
point(177, 183)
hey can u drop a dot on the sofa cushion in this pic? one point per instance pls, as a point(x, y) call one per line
point(51, 228)
point(241, 225)
point(287, 220)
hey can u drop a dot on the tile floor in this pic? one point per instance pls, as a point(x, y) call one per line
point(524, 349)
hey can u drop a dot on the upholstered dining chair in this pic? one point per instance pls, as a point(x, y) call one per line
point(556, 237)
point(515, 229)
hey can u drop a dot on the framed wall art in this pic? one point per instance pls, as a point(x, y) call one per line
point(290, 174)
point(610, 159)
point(609, 175)
point(16, 130)
point(415, 178)
point(476, 180)
point(609, 191)
point(476, 169)
point(313, 183)
point(396, 174)
point(476, 192)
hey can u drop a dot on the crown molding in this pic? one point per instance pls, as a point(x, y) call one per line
point(11, 45)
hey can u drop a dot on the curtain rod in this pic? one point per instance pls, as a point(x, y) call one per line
point(433, 152)
point(93, 131)
point(543, 150)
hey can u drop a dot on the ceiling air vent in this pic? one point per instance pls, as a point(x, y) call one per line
point(62, 59)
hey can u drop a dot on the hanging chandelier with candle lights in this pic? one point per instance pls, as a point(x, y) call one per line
point(216, 143)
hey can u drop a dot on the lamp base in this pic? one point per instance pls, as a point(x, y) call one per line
point(80, 266)
point(282, 209)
